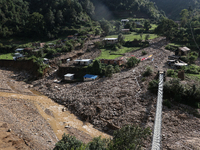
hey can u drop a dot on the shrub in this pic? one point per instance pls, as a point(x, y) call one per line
point(143, 79)
point(68, 142)
point(117, 68)
point(184, 58)
point(133, 61)
point(129, 137)
point(98, 144)
point(167, 103)
point(192, 57)
point(153, 86)
point(148, 71)
point(121, 38)
point(171, 73)
point(109, 71)
point(193, 69)
point(144, 52)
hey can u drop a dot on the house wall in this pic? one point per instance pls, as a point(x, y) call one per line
point(111, 41)
point(78, 71)
point(111, 61)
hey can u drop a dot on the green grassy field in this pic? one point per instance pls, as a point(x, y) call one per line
point(6, 56)
point(153, 26)
point(134, 35)
point(110, 54)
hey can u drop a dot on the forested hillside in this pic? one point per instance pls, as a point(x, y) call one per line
point(124, 8)
point(39, 18)
point(172, 8)
point(50, 18)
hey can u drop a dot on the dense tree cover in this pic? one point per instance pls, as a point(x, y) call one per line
point(172, 8)
point(128, 6)
point(41, 18)
point(129, 137)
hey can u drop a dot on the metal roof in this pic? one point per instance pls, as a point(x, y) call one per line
point(109, 39)
point(124, 20)
point(20, 49)
point(69, 75)
point(184, 49)
point(90, 76)
point(83, 60)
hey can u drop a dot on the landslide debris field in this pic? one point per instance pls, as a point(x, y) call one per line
point(29, 120)
point(110, 103)
point(107, 103)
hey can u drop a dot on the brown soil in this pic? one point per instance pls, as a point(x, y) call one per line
point(110, 103)
point(36, 122)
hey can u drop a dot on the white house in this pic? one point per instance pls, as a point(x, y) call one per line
point(124, 21)
point(125, 30)
point(19, 49)
point(84, 62)
point(110, 40)
point(69, 76)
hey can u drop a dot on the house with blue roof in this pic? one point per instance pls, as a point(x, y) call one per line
point(89, 77)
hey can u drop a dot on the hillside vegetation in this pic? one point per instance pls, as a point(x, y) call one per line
point(129, 8)
point(172, 8)
point(52, 18)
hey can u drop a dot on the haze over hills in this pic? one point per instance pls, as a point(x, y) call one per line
point(129, 8)
point(172, 8)
point(51, 17)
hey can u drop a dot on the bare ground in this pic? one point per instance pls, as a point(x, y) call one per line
point(110, 103)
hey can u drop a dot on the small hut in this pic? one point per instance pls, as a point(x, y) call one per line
point(69, 76)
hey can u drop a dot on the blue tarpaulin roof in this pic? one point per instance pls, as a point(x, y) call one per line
point(90, 76)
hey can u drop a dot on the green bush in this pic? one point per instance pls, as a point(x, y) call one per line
point(171, 73)
point(153, 86)
point(98, 144)
point(167, 103)
point(133, 61)
point(192, 57)
point(143, 79)
point(144, 52)
point(192, 69)
point(68, 143)
point(182, 93)
point(184, 58)
point(109, 71)
point(117, 68)
point(130, 137)
point(148, 71)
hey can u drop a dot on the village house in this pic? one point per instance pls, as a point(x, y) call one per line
point(110, 40)
point(38, 45)
point(70, 37)
point(89, 77)
point(69, 77)
point(112, 62)
point(124, 21)
point(125, 30)
point(84, 62)
point(182, 51)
